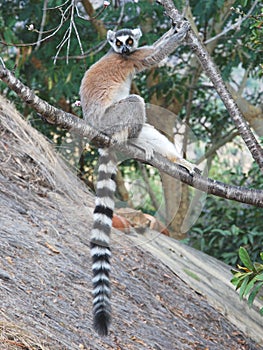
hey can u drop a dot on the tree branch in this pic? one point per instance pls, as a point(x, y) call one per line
point(213, 73)
point(234, 26)
point(97, 23)
point(70, 122)
point(52, 114)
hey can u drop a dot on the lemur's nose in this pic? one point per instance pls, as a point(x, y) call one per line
point(125, 49)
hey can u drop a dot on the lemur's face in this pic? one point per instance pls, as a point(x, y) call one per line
point(124, 41)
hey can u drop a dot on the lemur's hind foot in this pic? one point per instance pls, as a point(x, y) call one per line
point(184, 163)
point(151, 140)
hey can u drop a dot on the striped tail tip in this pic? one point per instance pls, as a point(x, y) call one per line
point(101, 288)
point(101, 304)
point(101, 322)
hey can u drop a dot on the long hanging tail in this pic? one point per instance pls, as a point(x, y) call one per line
point(100, 239)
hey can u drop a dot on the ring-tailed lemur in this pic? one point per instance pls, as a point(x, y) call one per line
point(108, 107)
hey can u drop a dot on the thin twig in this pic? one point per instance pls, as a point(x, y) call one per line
point(229, 137)
point(66, 36)
point(59, 6)
point(70, 28)
point(43, 21)
point(96, 49)
point(235, 25)
point(56, 29)
point(78, 39)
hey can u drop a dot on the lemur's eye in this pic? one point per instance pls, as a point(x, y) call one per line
point(129, 41)
point(118, 43)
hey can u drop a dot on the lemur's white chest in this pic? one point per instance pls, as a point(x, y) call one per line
point(123, 90)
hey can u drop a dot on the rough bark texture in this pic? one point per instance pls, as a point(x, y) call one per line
point(45, 274)
point(207, 276)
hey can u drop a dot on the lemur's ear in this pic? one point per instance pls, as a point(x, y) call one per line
point(110, 35)
point(137, 33)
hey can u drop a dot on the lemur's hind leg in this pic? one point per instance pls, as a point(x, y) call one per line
point(152, 140)
point(132, 111)
point(124, 119)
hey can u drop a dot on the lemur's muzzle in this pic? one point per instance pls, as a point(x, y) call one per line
point(125, 50)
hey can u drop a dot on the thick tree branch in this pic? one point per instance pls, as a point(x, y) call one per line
point(52, 114)
point(213, 73)
point(70, 122)
point(220, 189)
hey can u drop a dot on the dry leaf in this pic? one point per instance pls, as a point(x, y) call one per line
point(9, 259)
point(52, 248)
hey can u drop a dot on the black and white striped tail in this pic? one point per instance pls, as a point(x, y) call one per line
point(100, 239)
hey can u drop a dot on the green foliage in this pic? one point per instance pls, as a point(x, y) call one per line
point(224, 225)
point(256, 40)
point(248, 278)
point(205, 9)
point(243, 48)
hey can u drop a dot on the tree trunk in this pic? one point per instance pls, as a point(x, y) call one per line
point(176, 195)
point(177, 203)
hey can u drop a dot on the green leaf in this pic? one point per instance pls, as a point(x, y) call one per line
point(235, 272)
point(243, 287)
point(8, 35)
point(258, 267)
point(237, 280)
point(259, 277)
point(253, 294)
point(239, 283)
point(250, 285)
point(244, 257)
